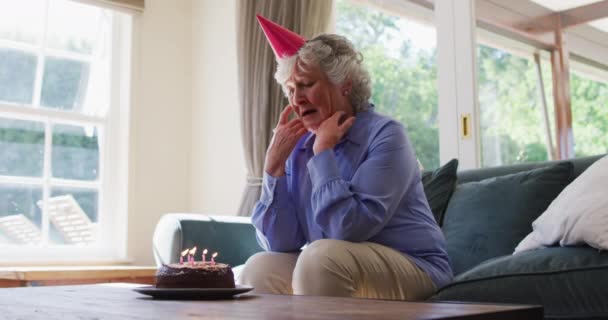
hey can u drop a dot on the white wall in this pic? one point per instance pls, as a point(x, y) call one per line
point(161, 129)
point(218, 168)
point(186, 153)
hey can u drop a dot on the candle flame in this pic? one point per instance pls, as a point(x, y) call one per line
point(192, 251)
point(214, 255)
point(185, 252)
point(205, 251)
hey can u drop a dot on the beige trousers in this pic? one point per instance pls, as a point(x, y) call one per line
point(338, 268)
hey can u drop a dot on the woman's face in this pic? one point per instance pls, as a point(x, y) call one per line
point(314, 98)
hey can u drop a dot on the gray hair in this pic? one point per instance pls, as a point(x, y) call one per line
point(339, 60)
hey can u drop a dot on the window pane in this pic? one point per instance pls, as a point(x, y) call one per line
point(75, 26)
point(86, 199)
point(400, 56)
point(73, 215)
point(22, 20)
point(75, 152)
point(80, 86)
point(20, 217)
point(17, 75)
point(21, 147)
point(64, 84)
point(589, 115)
point(511, 115)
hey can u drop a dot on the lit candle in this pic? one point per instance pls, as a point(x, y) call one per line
point(213, 257)
point(204, 253)
point(191, 255)
point(181, 258)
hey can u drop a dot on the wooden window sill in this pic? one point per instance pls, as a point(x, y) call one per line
point(71, 275)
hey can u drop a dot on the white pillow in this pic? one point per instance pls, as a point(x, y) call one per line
point(577, 216)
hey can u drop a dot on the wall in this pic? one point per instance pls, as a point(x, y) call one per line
point(161, 133)
point(218, 168)
point(186, 153)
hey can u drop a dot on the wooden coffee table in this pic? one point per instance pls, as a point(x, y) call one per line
point(119, 301)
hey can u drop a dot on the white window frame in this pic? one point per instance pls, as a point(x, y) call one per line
point(113, 135)
point(457, 39)
point(588, 70)
point(454, 21)
point(418, 12)
point(457, 82)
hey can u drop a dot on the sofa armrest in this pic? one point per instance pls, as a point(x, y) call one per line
point(232, 237)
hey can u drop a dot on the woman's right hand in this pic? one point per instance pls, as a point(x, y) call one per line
point(287, 133)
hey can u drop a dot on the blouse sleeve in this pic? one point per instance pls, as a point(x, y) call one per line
point(274, 217)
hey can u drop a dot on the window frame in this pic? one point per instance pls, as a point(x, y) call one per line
point(577, 65)
point(113, 136)
point(458, 68)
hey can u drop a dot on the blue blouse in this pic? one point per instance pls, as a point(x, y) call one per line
point(367, 188)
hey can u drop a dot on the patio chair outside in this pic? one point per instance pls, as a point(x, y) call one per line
point(20, 229)
point(68, 217)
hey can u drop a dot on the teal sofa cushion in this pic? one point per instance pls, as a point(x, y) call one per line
point(439, 186)
point(488, 218)
point(570, 282)
point(217, 236)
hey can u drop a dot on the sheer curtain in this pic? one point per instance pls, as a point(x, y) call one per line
point(260, 96)
point(130, 6)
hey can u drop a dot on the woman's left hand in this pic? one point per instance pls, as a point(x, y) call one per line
point(331, 131)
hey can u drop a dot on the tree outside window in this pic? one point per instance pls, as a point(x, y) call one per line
point(400, 56)
point(589, 115)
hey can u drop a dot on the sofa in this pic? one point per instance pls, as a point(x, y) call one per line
point(488, 211)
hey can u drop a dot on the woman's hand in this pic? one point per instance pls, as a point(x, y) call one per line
point(331, 131)
point(286, 136)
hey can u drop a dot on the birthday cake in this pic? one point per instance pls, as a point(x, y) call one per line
point(195, 275)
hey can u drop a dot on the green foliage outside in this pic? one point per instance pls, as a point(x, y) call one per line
point(403, 84)
point(511, 116)
point(589, 115)
point(75, 155)
point(512, 124)
point(21, 148)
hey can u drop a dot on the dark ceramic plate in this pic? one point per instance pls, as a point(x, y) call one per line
point(193, 293)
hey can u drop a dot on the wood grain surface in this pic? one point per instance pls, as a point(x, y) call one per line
point(119, 301)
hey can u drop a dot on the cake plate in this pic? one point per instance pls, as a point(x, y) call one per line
point(193, 293)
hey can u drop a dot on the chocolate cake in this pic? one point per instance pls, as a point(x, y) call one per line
point(197, 275)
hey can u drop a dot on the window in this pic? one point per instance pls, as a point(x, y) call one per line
point(63, 76)
point(400, 56)
point(512, 122)
point(589, 114)
point(511, 115)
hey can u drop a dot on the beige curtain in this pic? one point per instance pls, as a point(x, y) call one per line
point(261, 97)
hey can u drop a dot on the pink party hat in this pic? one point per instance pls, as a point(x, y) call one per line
point(285, 43)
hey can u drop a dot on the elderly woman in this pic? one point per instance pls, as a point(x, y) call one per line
point(342, 210)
